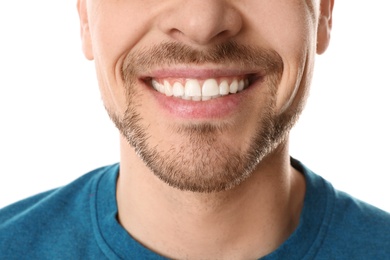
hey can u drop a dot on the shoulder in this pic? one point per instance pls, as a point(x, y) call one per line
point(358, 229)
point(351, 228)
point(58, 217)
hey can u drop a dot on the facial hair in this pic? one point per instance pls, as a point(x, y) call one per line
point(203, 162)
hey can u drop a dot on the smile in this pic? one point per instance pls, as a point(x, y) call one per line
point(200, 90)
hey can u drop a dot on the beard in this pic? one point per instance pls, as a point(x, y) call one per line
point(202, 160)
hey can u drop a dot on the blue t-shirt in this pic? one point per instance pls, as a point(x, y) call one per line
point(78, 221)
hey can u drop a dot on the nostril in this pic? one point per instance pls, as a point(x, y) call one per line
point(180, 36)
point(201, 23)
point(175, 33)
point(223, 34)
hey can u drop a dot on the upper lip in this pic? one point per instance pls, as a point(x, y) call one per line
point(201, 73)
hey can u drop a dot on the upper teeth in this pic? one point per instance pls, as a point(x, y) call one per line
point(193, 89)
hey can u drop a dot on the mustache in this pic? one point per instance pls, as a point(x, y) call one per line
point(172, 53)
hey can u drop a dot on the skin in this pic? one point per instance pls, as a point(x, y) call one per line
point(208, 207)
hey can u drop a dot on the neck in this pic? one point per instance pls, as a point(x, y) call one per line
point(248, 221)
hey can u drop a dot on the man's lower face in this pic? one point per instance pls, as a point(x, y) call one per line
point(204, 155)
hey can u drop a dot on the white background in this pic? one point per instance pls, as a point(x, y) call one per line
point(53, 127)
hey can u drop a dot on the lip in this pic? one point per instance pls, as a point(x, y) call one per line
point(218, 108)
point(200, 73)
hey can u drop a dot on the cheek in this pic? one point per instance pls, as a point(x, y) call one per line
point(296, 45)
point(111, 90)
point(295, 83)
point(288, 28)
point(115, 30)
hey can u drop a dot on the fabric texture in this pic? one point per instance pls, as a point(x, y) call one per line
point(78, 221)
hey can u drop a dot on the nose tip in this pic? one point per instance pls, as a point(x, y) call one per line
point(202, 22)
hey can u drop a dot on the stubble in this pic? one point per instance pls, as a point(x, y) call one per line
point(203, 163)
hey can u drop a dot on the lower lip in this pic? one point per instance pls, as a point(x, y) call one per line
point(216, 108)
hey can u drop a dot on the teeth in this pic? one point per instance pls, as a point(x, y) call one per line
point(234, 86)
point(224, 88)
point(241, 85)
point(210, 88)
point(193, 90)
point(157, 86)
point(167, 89)
point(178, 89)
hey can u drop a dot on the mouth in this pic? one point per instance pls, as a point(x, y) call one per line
point(195, 89)
point(207, 94)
